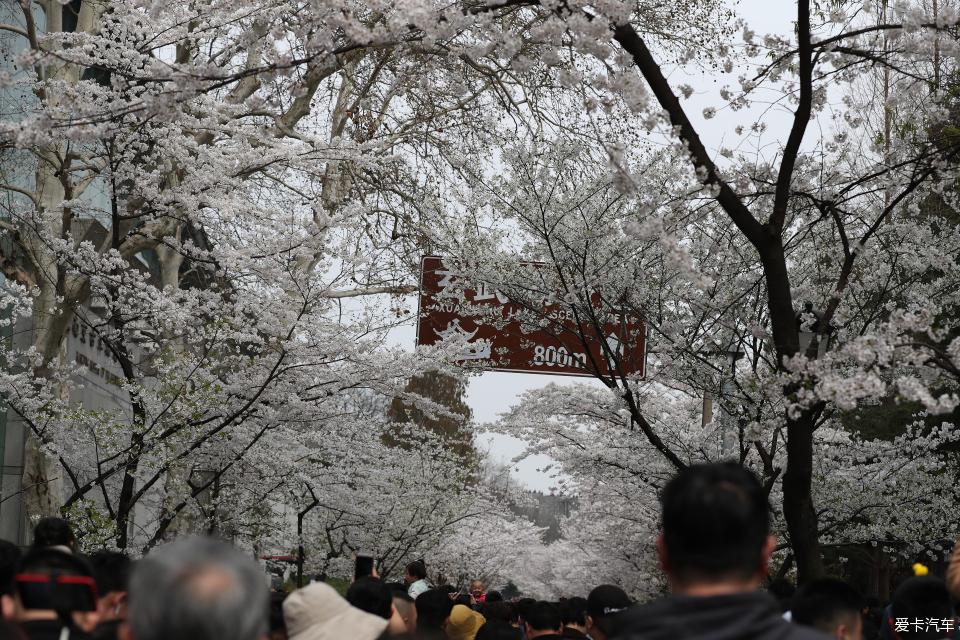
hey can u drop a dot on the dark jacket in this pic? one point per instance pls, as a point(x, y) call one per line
point(573, 634)
point(106, 630)
point(49, 630)
point(742, 616)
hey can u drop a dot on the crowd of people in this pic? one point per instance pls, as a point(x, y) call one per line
point(714, 548)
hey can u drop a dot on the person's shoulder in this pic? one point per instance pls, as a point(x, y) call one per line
point(800, 632)
point(675, 629)
point(644, 612)
point(50, 630)
point(654, 619)
point(719, 617)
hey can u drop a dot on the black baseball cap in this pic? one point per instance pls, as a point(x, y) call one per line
point(607, 599)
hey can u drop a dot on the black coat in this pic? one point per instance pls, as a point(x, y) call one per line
point(742, 616)
point(50, 630)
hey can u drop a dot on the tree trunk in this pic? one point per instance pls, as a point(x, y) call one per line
point(798, 508)
point(49, 319)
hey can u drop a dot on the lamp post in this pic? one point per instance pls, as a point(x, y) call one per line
point(811, 330)
point(728, 388)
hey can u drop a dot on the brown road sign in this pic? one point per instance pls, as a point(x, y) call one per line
point(452, 308)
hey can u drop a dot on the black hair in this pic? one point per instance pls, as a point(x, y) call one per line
point(40, 584)
point(573, 611)
point(924, 598)
point(715, 521)
point(397, 588)
point(51, 532)
point(494, 596)
point(783, 590)
point(523, 605)
point(433, 608)
point(825, 603)
point(277, 623)
point(498, 610)
point(111, 570)
point(543, 616)
point(463, 598)
point(370, 595)
point(498, 630)
point(10, 555)
point(417, 569)
point(401, 595)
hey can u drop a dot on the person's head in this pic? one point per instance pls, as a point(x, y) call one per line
point(498, 610)
point(196, 588)
point(318, 612)
point(111, 570)
point(9, 559)
point(498, 630)
point(462, 598)
point(494, 596)
point(277, 625)
point(404, 606)
point(54, 532)
point(51, 584)
point(573, 613)
point(604, 604)
point(715, 530)
point(371, 595)
point(397, 587)
point(921, 598)
point(464, 623)
point(416, 570)
point(477, 588)
point(521, 607)
point(783, 590)
point(433, 610)
point(831, 606)
point(542, 618)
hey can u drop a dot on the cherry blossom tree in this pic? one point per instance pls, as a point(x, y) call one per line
point(226, 195)
point(185, 188)
point(222, 197)
point(728, 241)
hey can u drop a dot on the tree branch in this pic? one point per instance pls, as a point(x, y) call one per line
point(801, 119)
point(633, 44)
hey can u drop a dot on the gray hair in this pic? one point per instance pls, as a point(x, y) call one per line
point(197, 588)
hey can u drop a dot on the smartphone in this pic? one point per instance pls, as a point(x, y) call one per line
point(363, 567)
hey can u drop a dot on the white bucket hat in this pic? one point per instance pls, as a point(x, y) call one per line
point(318, 612)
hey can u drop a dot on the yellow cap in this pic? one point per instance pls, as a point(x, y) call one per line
point(464, 623)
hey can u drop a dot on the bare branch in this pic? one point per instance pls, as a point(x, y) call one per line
point(371, 291)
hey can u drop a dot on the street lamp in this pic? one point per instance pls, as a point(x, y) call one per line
point(810, 327)
point(733, 354)
point(728, 388)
